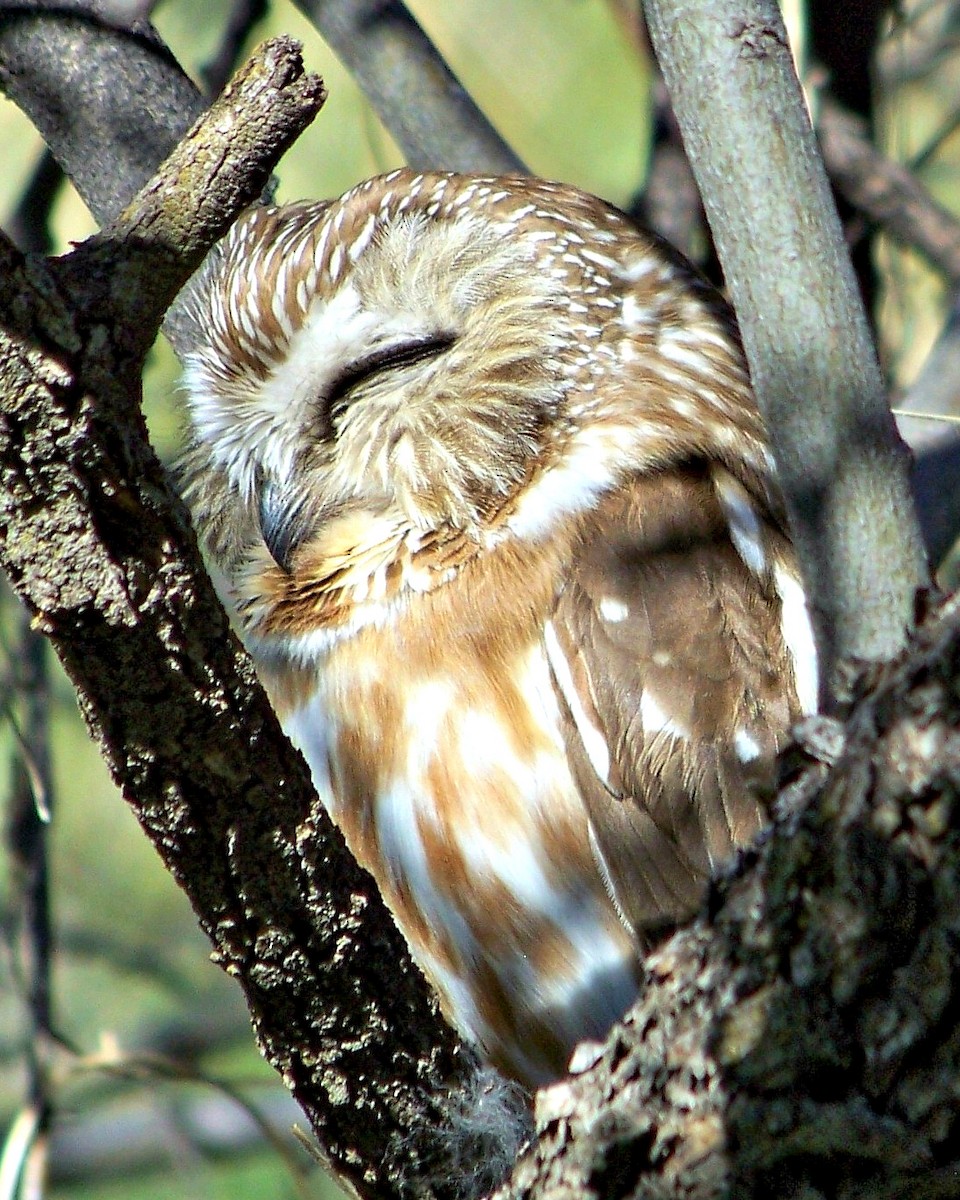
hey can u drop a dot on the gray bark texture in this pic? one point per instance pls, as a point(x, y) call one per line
point(100, 548)
point(842, 467)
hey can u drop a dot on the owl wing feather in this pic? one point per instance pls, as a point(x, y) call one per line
point(676, 687)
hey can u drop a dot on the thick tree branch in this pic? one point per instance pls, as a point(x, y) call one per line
point(100, 549)
point(414, 92)
point(129, 102)
point(843, 469)
point(891, 197)
point(163, 239)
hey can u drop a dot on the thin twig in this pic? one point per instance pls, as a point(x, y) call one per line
point(21, 1136)
point(152, 1067)
point(888, 193)
point(244, 16)
point(30, 810)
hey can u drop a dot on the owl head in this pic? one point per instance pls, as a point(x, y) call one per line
point(435, 356)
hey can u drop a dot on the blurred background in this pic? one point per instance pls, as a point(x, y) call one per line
point(157, 1087)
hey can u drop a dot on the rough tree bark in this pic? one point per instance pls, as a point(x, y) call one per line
point(842, 467)
point(99, 547)
point(797, 1040)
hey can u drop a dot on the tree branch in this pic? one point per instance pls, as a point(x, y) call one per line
point(842, 467)
point(888, 193)
point(73, 57)
point(100, 549)
point(414, 92)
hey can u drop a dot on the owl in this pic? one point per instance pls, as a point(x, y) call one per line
point(478, 470)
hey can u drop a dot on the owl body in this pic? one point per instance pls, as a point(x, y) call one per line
point(477, 466)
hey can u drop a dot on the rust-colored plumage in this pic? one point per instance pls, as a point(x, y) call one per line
point(477, 465)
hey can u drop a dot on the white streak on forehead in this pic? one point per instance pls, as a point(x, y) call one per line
point(363, 238)
point(279, 309)
point(463, 197)
point(321, 246)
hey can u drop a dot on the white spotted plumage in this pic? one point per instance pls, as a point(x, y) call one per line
point(479, 469)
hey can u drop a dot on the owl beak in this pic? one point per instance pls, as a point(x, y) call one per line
point(278, 523)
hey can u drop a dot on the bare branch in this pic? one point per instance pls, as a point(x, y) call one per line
point(77, 56)
point(843, 469)
point(433, 120)
point(889, 194)
point(164, 239)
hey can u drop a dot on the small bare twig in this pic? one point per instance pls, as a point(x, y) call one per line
point(151, 1068)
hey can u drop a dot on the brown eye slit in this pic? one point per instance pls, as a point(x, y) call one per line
point(385, 359)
